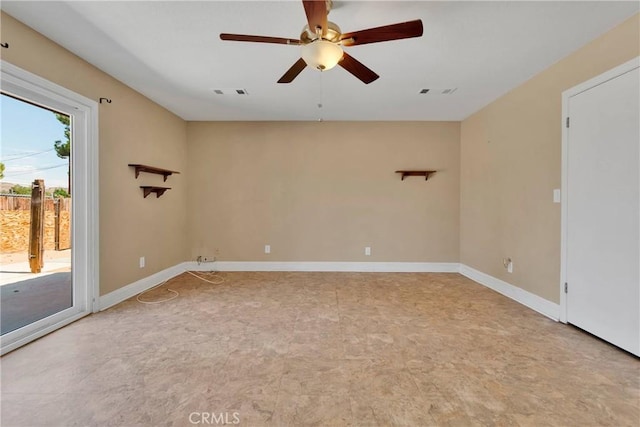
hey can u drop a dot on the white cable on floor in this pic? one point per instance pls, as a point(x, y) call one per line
point(175, 293)
point(211, 273)
point(157, 302)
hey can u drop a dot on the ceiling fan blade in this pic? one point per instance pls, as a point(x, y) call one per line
point(293, 72)
point(316, 11)
point(357, 68)
point(258, 39)
point(403, 30)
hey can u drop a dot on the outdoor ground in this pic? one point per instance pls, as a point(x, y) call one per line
point(26, 297)
point(22, 257)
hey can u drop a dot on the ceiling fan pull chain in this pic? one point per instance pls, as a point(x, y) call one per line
point(321, 118)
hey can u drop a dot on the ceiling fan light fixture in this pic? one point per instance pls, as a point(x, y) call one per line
point(321, 54)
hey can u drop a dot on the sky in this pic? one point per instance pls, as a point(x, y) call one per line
point(26, 144)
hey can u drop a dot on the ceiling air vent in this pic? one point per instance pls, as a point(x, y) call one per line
point(230, 91)
point(447, 91)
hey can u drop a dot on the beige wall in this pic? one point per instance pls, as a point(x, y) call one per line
point(322, 191)
point(511, 162)
point(133, 129)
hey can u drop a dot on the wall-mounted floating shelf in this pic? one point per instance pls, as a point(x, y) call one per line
point(426, 174)
point(148, 189)
point(152, 169)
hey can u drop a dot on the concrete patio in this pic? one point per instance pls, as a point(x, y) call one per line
point(26, 297)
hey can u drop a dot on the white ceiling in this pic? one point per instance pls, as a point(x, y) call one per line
point(171, 52)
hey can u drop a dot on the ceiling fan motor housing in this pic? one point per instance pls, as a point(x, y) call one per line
point(333, 34)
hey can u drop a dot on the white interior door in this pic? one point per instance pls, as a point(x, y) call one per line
point(602, 223)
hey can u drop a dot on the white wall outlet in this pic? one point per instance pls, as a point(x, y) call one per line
point(557, 197)
point(267, 249)
point(141, 262)
point(508, 264)
point(367, 251)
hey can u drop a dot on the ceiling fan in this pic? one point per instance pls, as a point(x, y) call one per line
point(322, 42)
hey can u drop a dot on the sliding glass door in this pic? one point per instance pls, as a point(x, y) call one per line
point(48, 207)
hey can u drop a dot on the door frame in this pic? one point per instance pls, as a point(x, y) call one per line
point(566, 96)
point(84, 223)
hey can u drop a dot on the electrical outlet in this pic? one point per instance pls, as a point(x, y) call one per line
point(141, 262)
point(508, 264)
point(367, 251)
point(267, 249)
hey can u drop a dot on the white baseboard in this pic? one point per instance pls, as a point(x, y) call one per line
point(534, 302)
point(390, 267)
point(126, 292)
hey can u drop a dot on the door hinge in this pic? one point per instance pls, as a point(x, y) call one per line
point(566, 288)
point(567, 122)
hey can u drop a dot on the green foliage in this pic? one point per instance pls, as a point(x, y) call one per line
point(1, 170)
point(60, 193)
point(20, 189)
point(63, 149)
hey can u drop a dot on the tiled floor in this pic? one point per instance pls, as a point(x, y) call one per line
point(321, 349)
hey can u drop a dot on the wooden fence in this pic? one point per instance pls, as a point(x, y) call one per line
point(15, 219)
